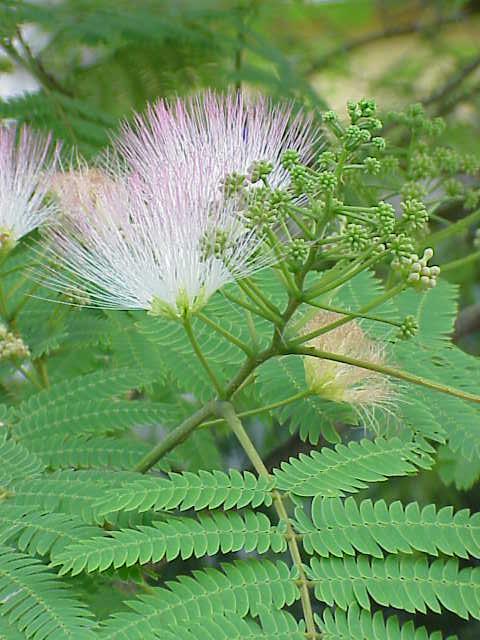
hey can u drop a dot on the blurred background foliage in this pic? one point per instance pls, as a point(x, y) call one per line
point(88, 63)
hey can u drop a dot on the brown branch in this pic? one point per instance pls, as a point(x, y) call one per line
point(391, 32)
point(453, 82)
point(35, 66)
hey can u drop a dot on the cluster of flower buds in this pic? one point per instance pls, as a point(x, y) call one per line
point(11, 346)
point(297, 251)
point(408, 328)
point(419, 274)
point(414, 216)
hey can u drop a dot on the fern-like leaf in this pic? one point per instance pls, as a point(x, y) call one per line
point(276, 625)
point(340, 528)
point(37, 602)
point(404, 583)
point(96, 416)
point(16, 463)
point(101, 384)
point(189, 490)
point(37, 532)
point(357, 624)
point(86, 452)
point(347, 468)
point(220, 532)
point(241, 587)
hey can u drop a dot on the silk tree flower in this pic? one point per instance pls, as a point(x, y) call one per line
point(159, 234)
point(25, 169)
point(226, 134)
point(364, 390)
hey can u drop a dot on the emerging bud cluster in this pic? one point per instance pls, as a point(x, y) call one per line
point(11, 346)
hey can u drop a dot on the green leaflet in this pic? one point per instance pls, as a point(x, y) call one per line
point(224, 627)
point(36, 601)
point(84, 452)
point(70, 492)
point(358, 624)
point(284, 377)
point(189, 490)
point(16, 463)
point(240, 587)
point(348, 468)
point(102, 384)
point(339, 528)
point(173, 537)
point(407, 583)
point(38, 532)
point(96, 417)
point(455, 468)
point(10, 631)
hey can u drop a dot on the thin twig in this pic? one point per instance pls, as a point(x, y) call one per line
point(391, 32)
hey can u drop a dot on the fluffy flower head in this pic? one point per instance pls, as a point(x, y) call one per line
point(24, 173)
point(160, 233)
point(363, 389)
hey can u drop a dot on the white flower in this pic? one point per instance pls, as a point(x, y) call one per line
point(160, 234)
point(24, 180)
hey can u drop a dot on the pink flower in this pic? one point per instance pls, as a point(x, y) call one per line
point(160, 233)
point(24, 182)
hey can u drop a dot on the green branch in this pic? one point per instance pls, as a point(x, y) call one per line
point(388, 371)
point(227, 412)
point(196, 347)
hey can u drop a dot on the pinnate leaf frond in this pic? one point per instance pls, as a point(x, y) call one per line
point(348, 468)
point(38, 602)
point(205, 489)
point(173, 537)
point(407, 583)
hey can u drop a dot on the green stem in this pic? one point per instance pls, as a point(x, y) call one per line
point(454, 228)
point(461, 262)
point(24, 301)
point(174, 438)
point(196, 347)
point(353, 314)
point(262, 308)
point(301, 226)
point(41, 367)
point(248, 307)
point(268, 303)
point(266, 407)
point(387, 295)
point(227, 412)
point(319, 289)
point(388, 371)
point(226, 334)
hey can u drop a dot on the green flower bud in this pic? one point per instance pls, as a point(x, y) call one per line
point(412, 191)
point(415, 215)
point(386, 217)
point(371, 166)
point(453, 188)
point(327, 182)
point(390, 164)
point(356, 237)
point(259, 170)
point(408, 328)
point(379, 143)
point(233, 184)
point(367, 107)
point(472, 198)
point(289, 159)
point(298, 251)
